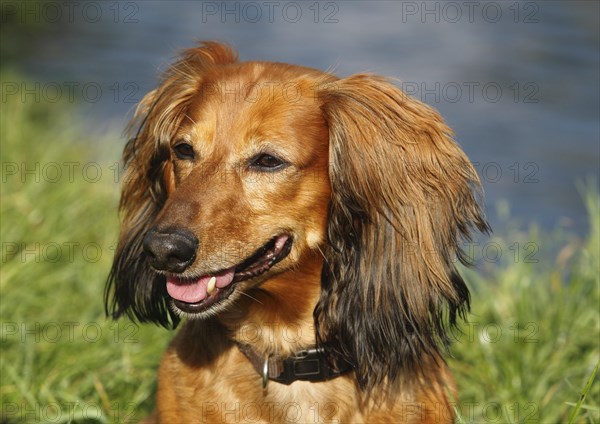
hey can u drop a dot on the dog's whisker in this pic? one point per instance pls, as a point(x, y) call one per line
point(251, 297)
point(324, 257)
point(190, 118)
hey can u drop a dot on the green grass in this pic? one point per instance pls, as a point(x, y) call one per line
point(526, 356)
point(62, 360)
point(532, 339)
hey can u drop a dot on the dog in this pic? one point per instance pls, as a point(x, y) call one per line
point(306, 229)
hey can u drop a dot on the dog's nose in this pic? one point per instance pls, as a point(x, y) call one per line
point(171, 249)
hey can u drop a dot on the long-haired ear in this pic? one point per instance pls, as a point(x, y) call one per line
point(133, 288)
point(404, 196)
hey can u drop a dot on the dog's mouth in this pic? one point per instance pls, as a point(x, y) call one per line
point(194, 295)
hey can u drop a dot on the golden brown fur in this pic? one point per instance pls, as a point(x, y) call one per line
point(376, 197)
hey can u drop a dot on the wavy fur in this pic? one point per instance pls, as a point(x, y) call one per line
point(402, 202)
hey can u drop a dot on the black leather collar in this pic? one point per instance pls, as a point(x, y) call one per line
point(304, 365)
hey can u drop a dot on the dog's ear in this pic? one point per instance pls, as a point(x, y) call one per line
point(133, 288)
point(404, 196)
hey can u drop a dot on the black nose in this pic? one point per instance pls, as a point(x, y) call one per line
point(171, 249)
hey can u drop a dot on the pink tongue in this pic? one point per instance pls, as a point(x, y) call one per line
point(194, 291)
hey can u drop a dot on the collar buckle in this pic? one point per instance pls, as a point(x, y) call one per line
point(306, 365)
point(265, 372)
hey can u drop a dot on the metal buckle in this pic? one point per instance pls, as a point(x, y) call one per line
point(265, 372)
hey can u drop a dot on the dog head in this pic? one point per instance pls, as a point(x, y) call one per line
point(238, 173)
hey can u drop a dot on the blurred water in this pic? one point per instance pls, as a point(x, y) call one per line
point(518, 81)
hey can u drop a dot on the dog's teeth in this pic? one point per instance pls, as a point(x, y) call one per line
point(212, 283)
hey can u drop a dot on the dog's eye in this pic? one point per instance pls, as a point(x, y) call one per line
point(267, 162)
point(184, 151)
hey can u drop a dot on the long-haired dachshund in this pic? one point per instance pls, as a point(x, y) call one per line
point(306, 228)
